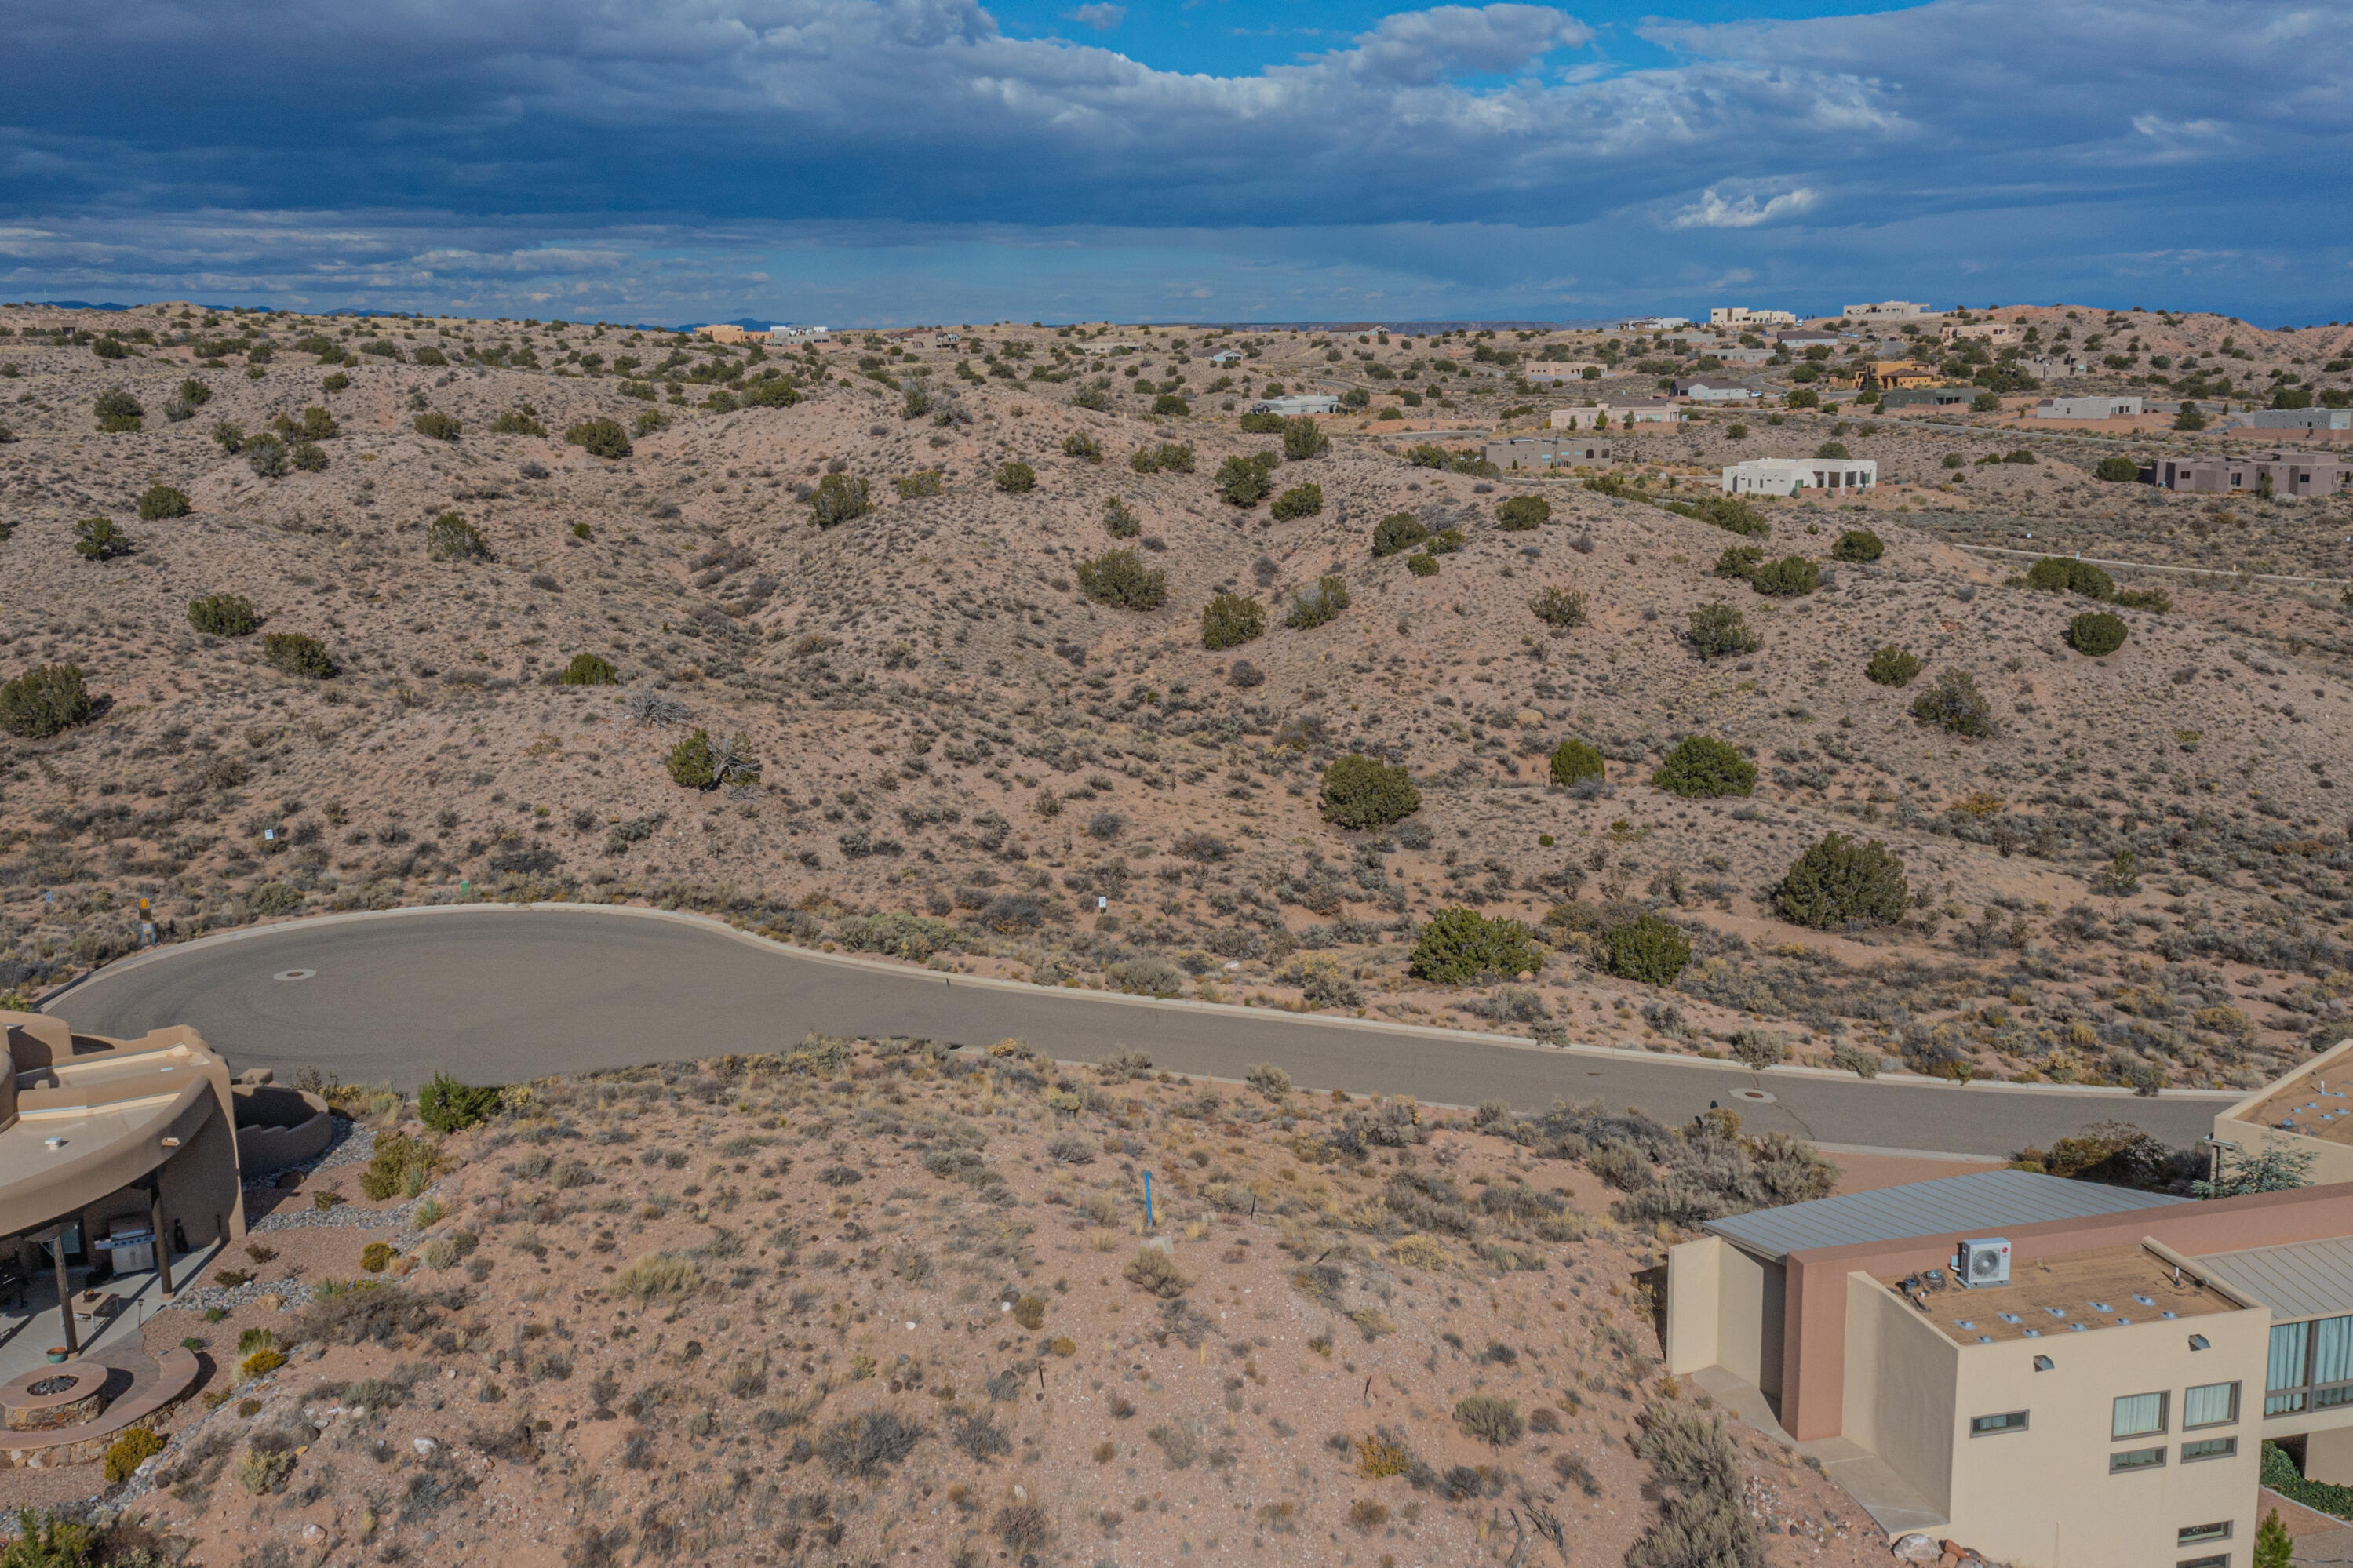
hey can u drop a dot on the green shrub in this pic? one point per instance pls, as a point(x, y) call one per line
point(307, 456)
point(1083, 447)
point(124, 1458)
point(266, 456)
point(378, 1255)
point(2118, 470)
point(1170, 405)
point(1702, 768)
point(1788, 577)
point(2023, 454)
point(97, 538)
point(223, 615)
point(1257, 423)
point(1120, 577)
point(1718, 630)
point(599, 438)
point(1460, 947)
point(1445, 541)
point(1734, 514)
point(44, 702)
point(1572, 760)
point(1645, 948)
point(450, 537)
point(1246, 481)
point(1317, 605)
point(1892, 667)
point(649, 421)
point(1842, 880)
point(2153, 599)
point(839, 498)
point(1738, 561)
point(921, 483)
point(159, 502)
point(588, 669)
point(1303, 439)
point(1398, 532)
point(1299, 501)
point(1120, 519)
point(1858, 545)
point(690, 762)
point(1522, 513)
point(1558, 607)
point(1361, 793)
point(118, 412)
point(2058, 574)
point(1490, 1419)
point(1168, 457)
point(2095, 633)
point(1229, 620)
point(1015, 478)
point(1953, 702)
point(1832, 449)
point(295, 654)
point(230, 435)
point(435, 425)
point(194, 393)
point(1421, 565)
point(447, 1106)
point(515, 422)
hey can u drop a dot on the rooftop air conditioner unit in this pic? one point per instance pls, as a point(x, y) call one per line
point(1984, 1262)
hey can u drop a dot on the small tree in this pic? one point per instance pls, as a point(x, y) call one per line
point(435, 425)
point(2118, 470)
point(97, 538)
point(2189, 419)
point(2095, 633)
point(44, 702)
point(1399, 531)
point(2271, 1169)
point(2274, 1547)
point(1082, 447)
point(1015, 478)
point(444, 1105)
point(839, 498)
point(1858, 545)
point(1718, 630)
point(1572, 760)
point(1362, 794)
point(1120, 519)
point(1120, 577)
point(1229, 620)
point(1558, 607)
point(2060, 574)
point(1953, 702)
point(689, 762)
point(1645, 948)
point(1840, 880)
point(1460, 947)
point(450, 537)
point(266, 456)
point(1788, 578)
point(1299, 501)
point(588, 669)
point(1303, 439)
point(1835, 450)
point(1168, 404)
point(1702, 768)
point(516, 422)
point(118, 412)
point(223, 615)
point(1892, 667)
point(157, 502)
point(600, 439)
point(295, 654)
point(1246, 481)
point(1520, 514)
point(1318, 604)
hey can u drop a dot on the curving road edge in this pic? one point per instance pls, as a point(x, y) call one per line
point(501, 993)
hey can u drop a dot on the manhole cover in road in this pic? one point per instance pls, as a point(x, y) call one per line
point(1756, 1095)
point(294, 974)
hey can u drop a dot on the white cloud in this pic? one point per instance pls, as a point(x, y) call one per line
point(1102, 18)
point(1713, 211)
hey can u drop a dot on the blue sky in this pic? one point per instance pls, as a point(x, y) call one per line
point(875, 161)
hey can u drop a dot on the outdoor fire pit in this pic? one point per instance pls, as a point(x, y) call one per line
point(50, 1397)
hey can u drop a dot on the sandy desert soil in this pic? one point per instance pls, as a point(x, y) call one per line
point(961, 752)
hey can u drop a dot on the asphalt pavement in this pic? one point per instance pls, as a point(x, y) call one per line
point(495, 994)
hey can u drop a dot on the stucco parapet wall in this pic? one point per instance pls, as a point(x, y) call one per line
point(1813, 1362)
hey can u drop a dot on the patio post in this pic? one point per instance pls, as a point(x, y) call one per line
point(162, 1239)
point(65, 1294)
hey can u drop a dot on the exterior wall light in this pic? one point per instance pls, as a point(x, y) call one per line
point(2200, 1342)
point(2044, 1363)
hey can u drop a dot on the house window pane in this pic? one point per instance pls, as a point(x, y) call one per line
point(2136, 1460)
point(2210, 1404)
point(2289, 1341)
point(2138, 1415)
point(2199, 1534)
point(2332, 1350)
point(1988, 1426)
point(2208, 1448)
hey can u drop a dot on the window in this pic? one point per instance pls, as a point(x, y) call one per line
point(2200, 1534)
point(2209, 1405)
point(1993, 1425)
point(2136, 1460)
point(2138, 1415)
point(2208, 1448)
point(2220, 1559)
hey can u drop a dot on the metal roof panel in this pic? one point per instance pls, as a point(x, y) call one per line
point(2300, 1280)
point(1982, 1203)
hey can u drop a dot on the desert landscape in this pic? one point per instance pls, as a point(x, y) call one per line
point(1017, 654)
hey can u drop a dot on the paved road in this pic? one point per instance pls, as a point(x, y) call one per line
point(494, 994)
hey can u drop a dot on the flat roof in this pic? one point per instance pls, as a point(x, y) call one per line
point(2071, 1293)
point(1981, 1204)
point(2300, 1280)
point(2306, 1106)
